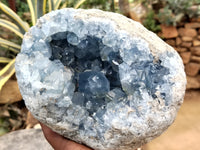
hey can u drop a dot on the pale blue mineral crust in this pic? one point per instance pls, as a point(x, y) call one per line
point(99, 78)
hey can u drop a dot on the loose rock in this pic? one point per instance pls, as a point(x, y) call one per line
point(196, 43)
point(192, 69)
point(195, 50)
point(185, 56)
point(10, 93)
point(193, 25)
point(180, 49)
point(186, 44)
point(169, 31)
point(193, 82)
point(30, 139)
point(187, 39)
point(187, 32)
point(195, 59)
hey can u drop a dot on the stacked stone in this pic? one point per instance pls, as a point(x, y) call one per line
point(186, 40)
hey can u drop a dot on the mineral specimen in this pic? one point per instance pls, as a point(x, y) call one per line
point(99, 78)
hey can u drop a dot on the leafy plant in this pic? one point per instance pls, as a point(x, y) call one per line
point(3, 126)
point(179, 6)
point(100, 4)
point(170, 12)
point(166, 16)
point(11, 118)
point(19, 27)
point(150, 22)
point(22, 7)
point(175, 10)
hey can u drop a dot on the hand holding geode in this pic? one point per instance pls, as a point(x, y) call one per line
point(99, 78)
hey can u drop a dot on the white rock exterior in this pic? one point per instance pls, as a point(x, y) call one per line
point(149, 89)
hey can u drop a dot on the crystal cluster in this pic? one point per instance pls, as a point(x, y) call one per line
point(99, 78)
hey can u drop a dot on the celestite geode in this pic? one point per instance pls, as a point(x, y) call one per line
point(99, 78)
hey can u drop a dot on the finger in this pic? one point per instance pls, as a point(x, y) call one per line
point(58, 142)
point(52, 137)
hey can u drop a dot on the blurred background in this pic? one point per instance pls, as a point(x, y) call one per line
point(177, 22)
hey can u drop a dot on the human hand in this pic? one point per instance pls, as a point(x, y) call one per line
point(58, 142)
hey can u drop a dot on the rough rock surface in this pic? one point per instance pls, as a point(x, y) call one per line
point(30, 139)
point(99, 78)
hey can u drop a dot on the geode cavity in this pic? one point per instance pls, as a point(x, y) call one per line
point(99, 78)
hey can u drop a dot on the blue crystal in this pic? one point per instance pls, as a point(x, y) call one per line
point(105, 53)
point(72, 38)
point(88, 48)
point(78, 99)
point(93, 83)
point(59, 36)
point(115, 95)
point(95, 103)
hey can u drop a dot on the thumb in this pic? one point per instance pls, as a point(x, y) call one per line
point(58, 142)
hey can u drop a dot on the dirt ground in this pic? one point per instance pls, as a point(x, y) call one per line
point(184, 134)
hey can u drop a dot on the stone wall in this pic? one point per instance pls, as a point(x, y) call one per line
point(186, 40)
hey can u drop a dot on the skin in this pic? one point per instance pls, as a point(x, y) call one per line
point(58, 142)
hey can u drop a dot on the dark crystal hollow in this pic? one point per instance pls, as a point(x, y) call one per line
point(96, 69)
point(94, 76)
